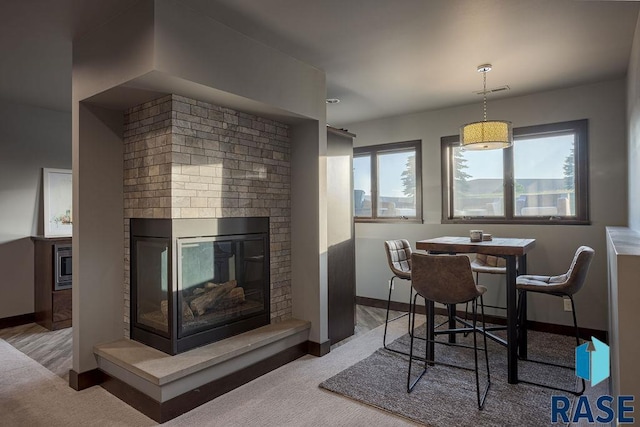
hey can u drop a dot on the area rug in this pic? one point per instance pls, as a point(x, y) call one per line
point(446, 396)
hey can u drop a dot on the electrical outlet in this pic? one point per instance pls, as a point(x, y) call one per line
point(567, 304)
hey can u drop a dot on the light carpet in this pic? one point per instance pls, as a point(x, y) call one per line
point(288, 396)
point(31, 395)
point(446, 396)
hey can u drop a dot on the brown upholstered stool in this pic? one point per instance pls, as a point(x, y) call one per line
point(564, 285)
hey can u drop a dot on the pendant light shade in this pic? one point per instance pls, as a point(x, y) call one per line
point(487, 134)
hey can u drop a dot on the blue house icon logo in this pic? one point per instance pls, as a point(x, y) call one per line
point(592, 361)
point(592, 364)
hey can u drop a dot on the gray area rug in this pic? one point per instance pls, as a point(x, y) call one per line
point(446, 396)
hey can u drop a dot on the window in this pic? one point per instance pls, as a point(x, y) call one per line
point(387, 182)
point(542, 178)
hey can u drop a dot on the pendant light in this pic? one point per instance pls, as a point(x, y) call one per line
point(487, 134)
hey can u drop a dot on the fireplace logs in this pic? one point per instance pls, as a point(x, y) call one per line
point(213, 295)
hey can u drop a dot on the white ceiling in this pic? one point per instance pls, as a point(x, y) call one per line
point(381, 57)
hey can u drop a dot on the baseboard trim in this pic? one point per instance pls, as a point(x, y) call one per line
point(318, 349)
point(585, 333)
point(21, 319)
point(164, 411)
point(133, 397)
point(83, 380)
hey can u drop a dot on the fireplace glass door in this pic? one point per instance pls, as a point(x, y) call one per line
point(220, 280)
point(195, 281)
point(151, 272)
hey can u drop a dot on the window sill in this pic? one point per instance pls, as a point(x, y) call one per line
point(389, 220)
point(520, 221)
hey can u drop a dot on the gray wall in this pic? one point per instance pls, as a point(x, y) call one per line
point(31, 138)
point(633, 116)
point(624, 253)
point(603, 104)
point(200, 49)
point(308, 227)
point(98, 231)
point(175, 46)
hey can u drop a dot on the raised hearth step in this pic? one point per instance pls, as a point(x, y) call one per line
point(167, 379)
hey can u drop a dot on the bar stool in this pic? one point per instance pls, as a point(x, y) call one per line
point(447, 279)
point(487, 264)
point(564, 285)
point(399, 259)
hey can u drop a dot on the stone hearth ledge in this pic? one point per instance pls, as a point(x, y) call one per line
point(163, 377)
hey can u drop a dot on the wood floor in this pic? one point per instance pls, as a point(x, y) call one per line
point(53, 349)
point(367, 318)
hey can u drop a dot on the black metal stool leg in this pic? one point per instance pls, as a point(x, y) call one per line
point(474, 308)
point(410, 384)
point(522, 337)
point(386, 322)
point(575, 325)
point(522, 325)
point(486, 355)
point(410, 296)
point(466, 306)
point(520, 319)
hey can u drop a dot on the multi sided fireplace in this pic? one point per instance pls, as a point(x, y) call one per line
point(197, 281)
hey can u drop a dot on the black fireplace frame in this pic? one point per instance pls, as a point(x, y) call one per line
point(171, 230)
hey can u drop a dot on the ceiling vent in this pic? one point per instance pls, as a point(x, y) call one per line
point(492, 90)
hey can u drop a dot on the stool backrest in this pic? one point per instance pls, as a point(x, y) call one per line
point(446, 279)
point(399, 257)
point(491, 261)
point(573, 280)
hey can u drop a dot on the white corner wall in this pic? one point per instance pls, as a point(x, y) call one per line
point(603, 104)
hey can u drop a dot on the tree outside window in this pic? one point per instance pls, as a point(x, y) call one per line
point(542, 177)
point(393, 174)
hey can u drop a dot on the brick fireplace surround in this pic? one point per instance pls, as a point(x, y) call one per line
point(189, 159)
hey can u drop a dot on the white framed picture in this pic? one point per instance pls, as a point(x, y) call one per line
point(57, 189)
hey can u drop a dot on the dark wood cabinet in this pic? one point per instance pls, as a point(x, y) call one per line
point(52, 307)
point(340, 235)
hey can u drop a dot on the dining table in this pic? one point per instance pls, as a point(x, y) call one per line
point(514, 251)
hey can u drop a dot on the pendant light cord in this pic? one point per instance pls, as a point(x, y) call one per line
point(484, 94)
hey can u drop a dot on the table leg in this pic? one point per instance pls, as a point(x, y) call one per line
point(451, 308)
point(522, 333)
point(512, 315)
